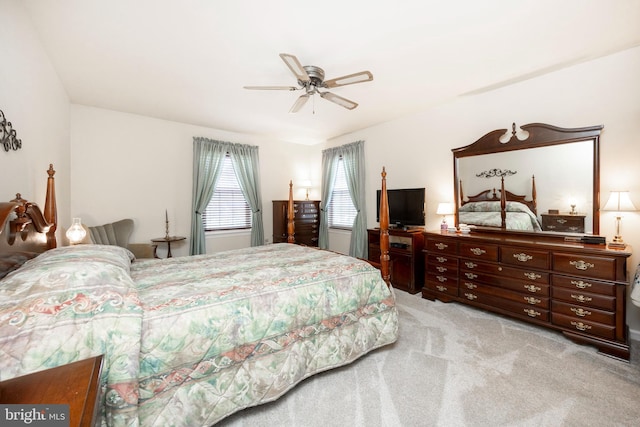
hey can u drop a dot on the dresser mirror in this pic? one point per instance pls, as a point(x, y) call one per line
point(517, 180)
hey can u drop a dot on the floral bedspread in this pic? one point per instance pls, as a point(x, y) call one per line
point(519, 216)
point(190, 340)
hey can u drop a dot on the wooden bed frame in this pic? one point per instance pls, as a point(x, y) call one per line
point(505, 196)
point(24, 221)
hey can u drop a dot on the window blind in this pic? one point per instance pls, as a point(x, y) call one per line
point(227, 209)
point(341, 212)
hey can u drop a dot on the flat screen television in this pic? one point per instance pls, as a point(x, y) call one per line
point(406, 207)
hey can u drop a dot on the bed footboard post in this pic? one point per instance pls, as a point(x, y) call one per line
point(51, 209)
point(291, 233)
point(384, 230)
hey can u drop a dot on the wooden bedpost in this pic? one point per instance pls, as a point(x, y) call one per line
point(503, 203)
point(384, 230)
point(534, 196)
point(291, 238)
point(51, 209)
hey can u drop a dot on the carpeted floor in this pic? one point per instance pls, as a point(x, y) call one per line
point(458, 366)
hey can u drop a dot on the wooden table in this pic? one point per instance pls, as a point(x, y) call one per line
point(167, 240)
point(75, 384)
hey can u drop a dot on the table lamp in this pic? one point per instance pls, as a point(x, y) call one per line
point(618, 202)
point(444, 209)
point(76, 232)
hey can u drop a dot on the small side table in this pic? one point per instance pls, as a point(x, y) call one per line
point(76, 384)
point(167, 240)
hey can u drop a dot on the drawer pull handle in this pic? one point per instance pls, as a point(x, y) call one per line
point(580, 326)
point(532, 288)
point(532, 300)
point(532, 276)
point(581, 265)
point(470, 264)
point(477, 251)
point(441, 259)
point(561, 221)
point(581, 284)
point(470, 285)
point(581, 298)
point(471, 276)
point(531, 313)
point(441, 269)
point(581, 312)
point(441, 246)
point(441, 279)
point(522, 257)
point(441, 288)
point(470, 296)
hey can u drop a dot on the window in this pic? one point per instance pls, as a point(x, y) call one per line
point(227, 209)
point(341, 211)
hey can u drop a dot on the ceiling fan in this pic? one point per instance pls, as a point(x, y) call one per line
point(311, 80)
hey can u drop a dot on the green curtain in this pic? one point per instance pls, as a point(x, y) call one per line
point(353, 161)
point(208, 156)
point(247, 167)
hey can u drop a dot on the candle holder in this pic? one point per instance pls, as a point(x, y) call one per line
point(166, 222)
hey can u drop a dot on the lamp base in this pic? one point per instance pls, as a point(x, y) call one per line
point(617, 245)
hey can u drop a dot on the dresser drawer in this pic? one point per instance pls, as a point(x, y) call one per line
point(525, 257)
point(442, 246)
point(442, 259)
point(534, 300)
point(441, 284)
point(584, 285)
point(516, 308)
point(500, 270)
point(582, 265)
point(448, 268)
point(479, 251)
point(587, 313)
point(585, 326)
point(584, 299)
point(505, 282)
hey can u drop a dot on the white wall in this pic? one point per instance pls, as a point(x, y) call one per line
point(416, 150)
point(125, 165)
point(34, 101)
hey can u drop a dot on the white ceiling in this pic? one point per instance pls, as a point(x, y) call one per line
point(188, 60)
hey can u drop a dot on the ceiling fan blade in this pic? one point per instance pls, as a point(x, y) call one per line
point(299, 103)
point(295, 67)
point(362, 76)
point(343, 102)
point(271, 87)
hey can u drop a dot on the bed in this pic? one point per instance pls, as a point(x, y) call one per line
point(500, 208)
point(186, 340)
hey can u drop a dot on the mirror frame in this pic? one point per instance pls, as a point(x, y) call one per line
point(535, 135)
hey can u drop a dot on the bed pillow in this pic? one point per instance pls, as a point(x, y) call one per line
point(493, 207)
point(13, 260)
point(109, 254)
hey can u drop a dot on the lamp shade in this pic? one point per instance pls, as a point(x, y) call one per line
point(619, 201)
point(444, 209)
point(76, 232)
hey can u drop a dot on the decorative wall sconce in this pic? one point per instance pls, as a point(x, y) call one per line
point(8, 135)
point(618, 202)
point(76, 232)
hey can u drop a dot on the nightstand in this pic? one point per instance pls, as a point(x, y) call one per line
point(76, 384)
point(566, 222)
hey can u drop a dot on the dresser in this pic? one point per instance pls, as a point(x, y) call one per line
point(306, 220)
point(578, 289)
point(563, 222)
point(405, 255)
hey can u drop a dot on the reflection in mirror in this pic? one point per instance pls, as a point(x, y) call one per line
point(550, 177)
point(563, 177)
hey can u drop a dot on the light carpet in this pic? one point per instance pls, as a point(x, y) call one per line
point(454, 365)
